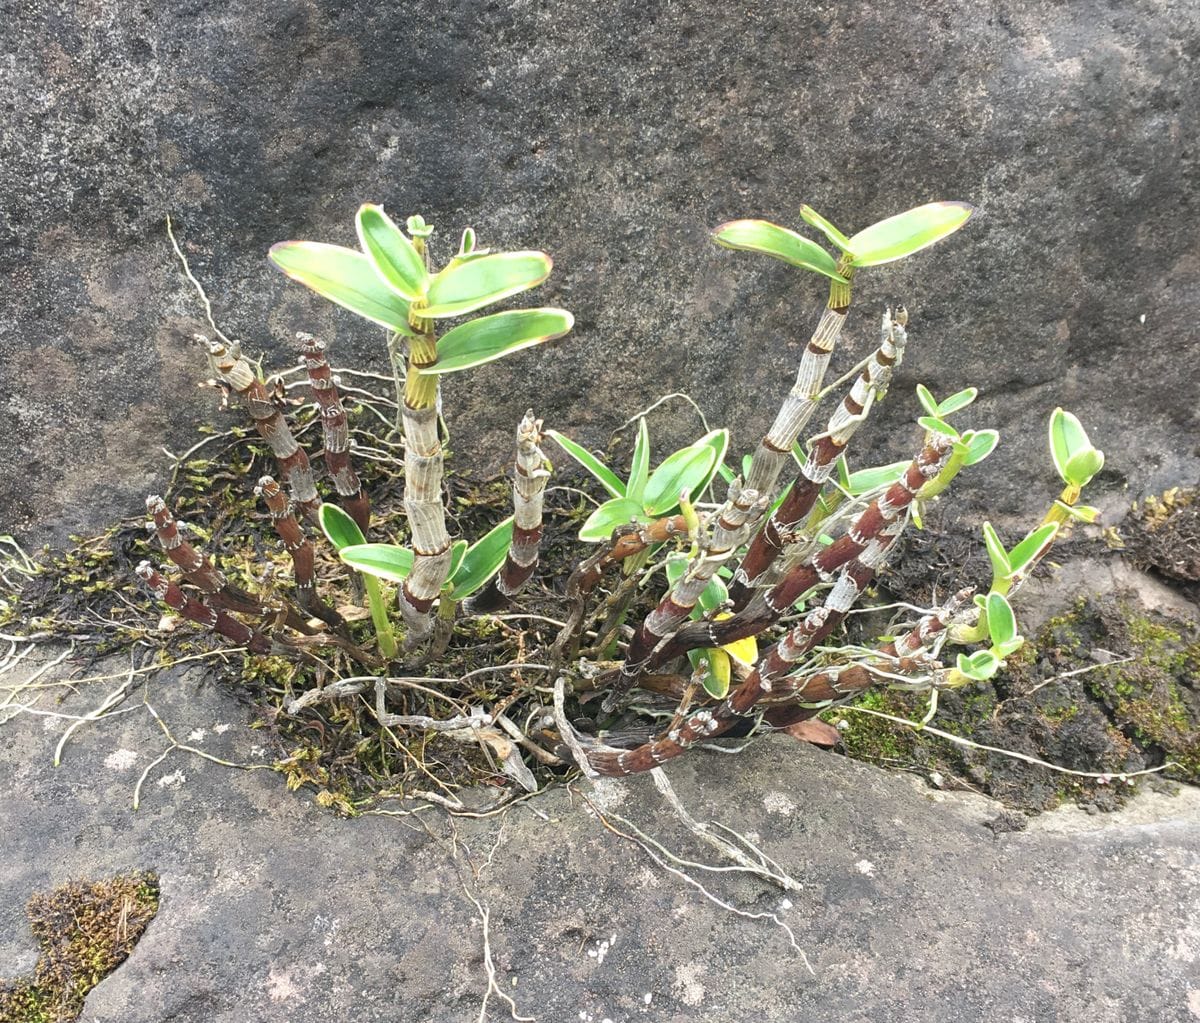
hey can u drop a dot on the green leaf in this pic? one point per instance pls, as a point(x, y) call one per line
point(397, 262)
point(713, 595)
point(957, 401)
point(639, 469)
point(417, 227)
point(718, 440)
point(909, 232)
point(346, 277)
point(467, 245)
point(1031, 548)
point(1001, 566)
point(608, 479)
point(715, 670)
point(471, 284)
point(981, 444)
point(1079, 512)
point(773, 240)
point(683, 470)
point(1082, 466)
point(457, 552)
point(842, 468)
point(384, 560)
point(492, 337)
point(935, 425)
point(878, 476)
point(608, 516)
point(338, 527)
point(1002, 623)
point(726, 473)
point(1067, 439)
point(482, 560)
point(925, 397)
point(1009, 648)
point(981, 665)
point(811, 216)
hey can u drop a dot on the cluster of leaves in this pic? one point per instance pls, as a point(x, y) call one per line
point(390, 284)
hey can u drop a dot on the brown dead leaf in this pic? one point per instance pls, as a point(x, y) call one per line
point(814, 731)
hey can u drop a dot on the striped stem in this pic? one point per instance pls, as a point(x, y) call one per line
point(625, 542)
point(823, 454)
point(297, 544)
point(742, 510)
point(807, 696)
point(336, 432)
point(772, 666)
point(236, 373)
point(529, 485)
point(196, 610)
point(866, 538)
point(426, 513)
point(199, 570)
point(797, 408)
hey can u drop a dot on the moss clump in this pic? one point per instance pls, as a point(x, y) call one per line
point(86, 929)
point(1162, 534)
point(865, 737)
point(1153, 698)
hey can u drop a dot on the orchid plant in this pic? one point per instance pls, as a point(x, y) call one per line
point(744, 591)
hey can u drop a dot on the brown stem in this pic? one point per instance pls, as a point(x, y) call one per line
point(772, 666)
point(625, 542)
point(196, 610)
point(335, 431)
point(301, 550)
point(236, 373)
point(823, 455)
point(742, 509)
point(529, 484)
point(797, 408)
point(808, 696)
point(199, 570)
point(865, 539)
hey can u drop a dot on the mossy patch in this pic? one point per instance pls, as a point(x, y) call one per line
point(1162, 534)
point(85, 929)
point(334, 748)
point(1136, 705)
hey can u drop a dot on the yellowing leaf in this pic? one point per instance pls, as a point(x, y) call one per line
point(744, 651)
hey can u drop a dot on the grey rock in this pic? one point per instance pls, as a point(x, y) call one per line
point(615, 137)
point(910, 908)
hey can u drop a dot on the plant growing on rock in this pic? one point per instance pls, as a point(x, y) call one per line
point(696, 613)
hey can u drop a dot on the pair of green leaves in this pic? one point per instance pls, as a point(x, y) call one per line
point(1074, 457)
point(1009, 566)
point(388, 283)
point(1002, 631)
point(972, 446)
point(888, 240)
point(471, 565)
point(646, 495)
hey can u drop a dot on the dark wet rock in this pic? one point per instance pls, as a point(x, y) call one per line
point(274, 910)
point(615, 137)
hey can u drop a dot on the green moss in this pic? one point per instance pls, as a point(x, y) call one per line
point(1151, 696)
point(85, 930)
point(866, 737)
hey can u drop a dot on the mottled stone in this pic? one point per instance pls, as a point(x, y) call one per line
point(614, 136)
point(913, 905)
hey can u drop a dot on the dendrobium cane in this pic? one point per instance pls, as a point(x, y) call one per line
point(762, 648)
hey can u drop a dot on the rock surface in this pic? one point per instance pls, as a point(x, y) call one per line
point(911, 908)
point(614, 136)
